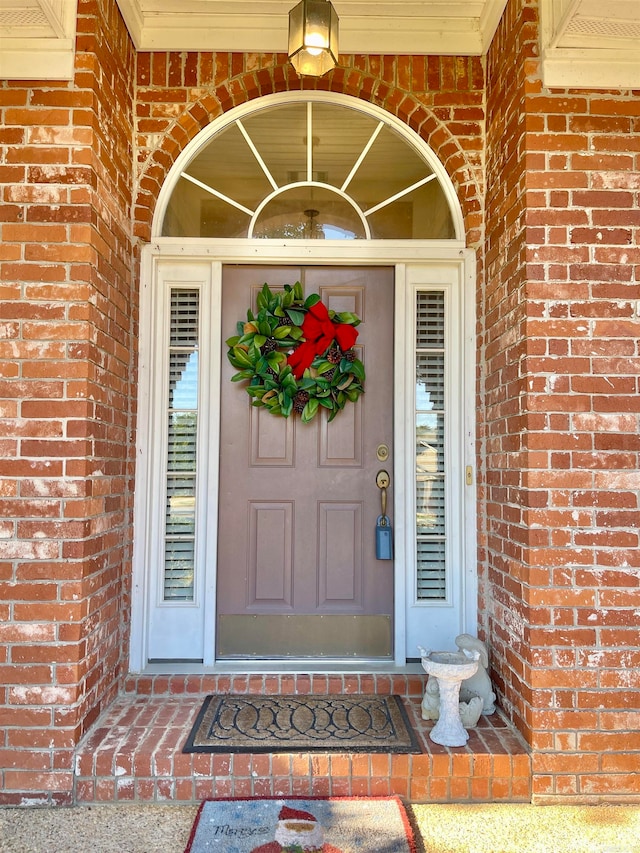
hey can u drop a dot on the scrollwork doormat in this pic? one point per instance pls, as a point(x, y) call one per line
point(329, 723)
point(334, 825)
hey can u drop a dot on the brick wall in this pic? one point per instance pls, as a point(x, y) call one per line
point(67, 315)
point(503, 345)
point(558, 360)
point(562, 441)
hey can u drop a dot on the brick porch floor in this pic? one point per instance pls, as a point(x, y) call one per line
point(133, 752)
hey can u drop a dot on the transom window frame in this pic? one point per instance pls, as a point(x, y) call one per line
point(235, 116)
point(412, 259)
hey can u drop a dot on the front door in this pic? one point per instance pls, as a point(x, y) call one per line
point(298, 575)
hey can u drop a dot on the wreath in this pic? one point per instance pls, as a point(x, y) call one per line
point(296, 356)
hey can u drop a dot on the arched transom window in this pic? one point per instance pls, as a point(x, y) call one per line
point(310, 169)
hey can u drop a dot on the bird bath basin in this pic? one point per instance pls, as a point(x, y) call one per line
point(450, 669)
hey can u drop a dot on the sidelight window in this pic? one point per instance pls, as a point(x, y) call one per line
point(430, 419)
point(182, 432)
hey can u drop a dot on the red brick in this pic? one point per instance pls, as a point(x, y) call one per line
point(18, 780)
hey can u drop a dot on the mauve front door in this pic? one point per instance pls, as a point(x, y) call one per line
point(298, 575)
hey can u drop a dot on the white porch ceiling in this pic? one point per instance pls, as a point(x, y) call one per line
point(366, 26)
point(584, 43)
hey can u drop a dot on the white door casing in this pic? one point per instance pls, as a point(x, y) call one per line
point(186, 631)
point(436, 623)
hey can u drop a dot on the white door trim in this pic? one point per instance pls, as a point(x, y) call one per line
point(400, 255)
point(456, 612)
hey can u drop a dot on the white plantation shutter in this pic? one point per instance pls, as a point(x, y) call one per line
point(181, 458)
point(430, 418)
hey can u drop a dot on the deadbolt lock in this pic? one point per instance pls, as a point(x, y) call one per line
point(382, 452)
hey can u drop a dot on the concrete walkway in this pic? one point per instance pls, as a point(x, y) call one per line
point(443, 828)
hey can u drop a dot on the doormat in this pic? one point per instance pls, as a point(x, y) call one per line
point(354, 723)
point(334, 825)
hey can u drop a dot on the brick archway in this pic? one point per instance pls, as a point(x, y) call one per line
point(448, 119)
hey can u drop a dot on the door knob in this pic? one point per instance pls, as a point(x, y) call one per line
point(382, 482)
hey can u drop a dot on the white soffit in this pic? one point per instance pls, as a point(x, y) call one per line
point(590, 44)
point(456, 27)
point(584, 43)
point(37, 39)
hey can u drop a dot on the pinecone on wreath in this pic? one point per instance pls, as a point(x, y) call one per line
point(269, 345)
point(350, 355)
point(300, 401)
point(334, 355)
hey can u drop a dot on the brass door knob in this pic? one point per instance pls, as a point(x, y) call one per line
point(382, 482)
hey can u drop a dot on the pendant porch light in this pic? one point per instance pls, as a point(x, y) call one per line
point(313, 37)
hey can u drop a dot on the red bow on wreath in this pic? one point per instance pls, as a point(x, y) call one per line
point(319, 331)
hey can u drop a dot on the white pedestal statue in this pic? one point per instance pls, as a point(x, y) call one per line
point(450, 669)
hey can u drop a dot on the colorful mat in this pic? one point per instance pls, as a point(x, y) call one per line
point(334, 825)
point(354, 723)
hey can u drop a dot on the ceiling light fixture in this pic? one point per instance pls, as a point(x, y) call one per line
point(313, 37)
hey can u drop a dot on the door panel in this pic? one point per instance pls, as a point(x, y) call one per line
point(270, 569)
point(340, 569)
point(298, 502)
point(271, 439)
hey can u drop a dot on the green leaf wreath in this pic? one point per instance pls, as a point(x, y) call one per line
point(296, 356)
